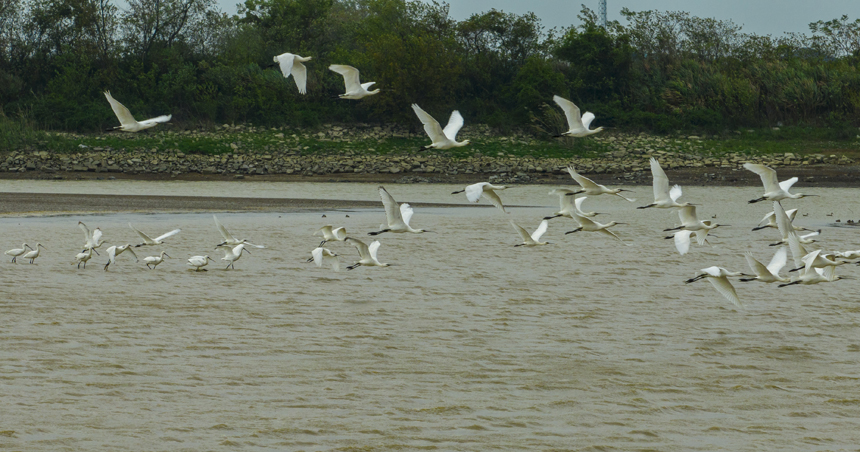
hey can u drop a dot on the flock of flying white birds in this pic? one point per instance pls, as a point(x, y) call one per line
point(814, 266)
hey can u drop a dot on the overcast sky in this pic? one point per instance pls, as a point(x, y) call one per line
point(757, 16)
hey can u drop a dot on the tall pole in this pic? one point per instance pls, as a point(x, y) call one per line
point(601, 13)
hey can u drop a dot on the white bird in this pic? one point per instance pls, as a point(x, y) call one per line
point(127, 121)
point(15, 252)
point(115, 251)
point(291, 64)
point(663, 197)
point(817, 259)
point(682, 239)
point(155, 260)
point(199, 262)
point(589, 225)
point(814, 275)
point(354, 88)
point(534, 238)
point(798, 251)
point(156, 241)
point(691, 222)
point(485, 189)
point(83, 258)
point(398, 219)
point(592, 189)
point(232, 255)
point(568, 206)
point(577, 125)
point(367, 254)
point(229, 239)
point(442, 138)
point(331, 235)
point(773, 189)
point(32, 255)
point(770, 273)
point(849, 254)
point(93, 238)
point(770, 219)
point(322, 255)
point(719, 278)
point(805, 239)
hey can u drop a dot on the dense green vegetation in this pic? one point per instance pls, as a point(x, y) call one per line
point(663, 72)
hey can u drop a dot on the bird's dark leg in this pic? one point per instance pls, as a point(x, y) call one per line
point(571, 232)
point(13, 259)
point(674, 229)
point(789, 284)
point(322, 243)
point(692, 280)
point(31, 261)
point(358, 264)
point(758, 228)
point(378, 232)
point(459, 191)
point(645, 207)
point(747, 279)
point(757, 200)
point(106, 265)
point(550, 218)
point(97, 253)
point(796, 269)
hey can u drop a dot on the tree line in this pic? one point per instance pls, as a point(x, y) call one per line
point(662, 71)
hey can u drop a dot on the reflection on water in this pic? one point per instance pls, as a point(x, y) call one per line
point(467, 343)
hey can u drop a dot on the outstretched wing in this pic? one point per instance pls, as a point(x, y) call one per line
point(786, 184)
point(300, 75)
point(317, 254)
point(374, 249)
point(541, 230)
point(778, 261)
point(391, 211)
point(767, 175)
point(455, 123)
point(661, 182)
point(122, 113)
point(350, 76)
point(571, 112)
point(757, 267)
point(169, 234)
point(285, 62)
point(145, 237)
point(360, 246)
point(97, 237)
point(406, 212)
point(522, 232)
point(474, 191)
point(494, 199)
point(87, 235)
point(682, 241)
point(675, 192)
point(727, 290)
point(431, 125)
point(226, 235)
point(157, 119)
point(583, 181)
point(132, 253)
point(587, 117)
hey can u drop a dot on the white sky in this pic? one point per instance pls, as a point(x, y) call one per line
point(757, 16)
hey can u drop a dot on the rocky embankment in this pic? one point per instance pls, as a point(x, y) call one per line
point(627, 157)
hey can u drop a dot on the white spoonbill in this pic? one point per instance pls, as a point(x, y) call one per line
point(849, 254)
point(817, 259)
point(814, 275)
point(663, 197)
point(442, 138)
point(589, 225)
point(232, 255)
point(592, 189)
point(93, 238)
point(15, 252)
point(773, 189)
point(291, 64)
point(127, 121)
point(577, 125)
point(229, 239)
point(691, 222)
point(115, 251)
point(354, 88)
point(32, 255)
point(534, 238)
point(199, 262)
point(769, 221)
point(156, 241)
point(322, 256)
point(770, 273)
point(367, 254)
point(82, 258)
point(331, 235)
point(485, 189)
point(719, 278)
point(682, 239)
point(805, 239)
point(568, 206)
point(398, 219)
point(155, 260)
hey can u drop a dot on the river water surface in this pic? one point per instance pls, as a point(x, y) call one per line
point(466, 343)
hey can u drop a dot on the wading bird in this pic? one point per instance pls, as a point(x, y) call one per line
point(719, 278)
point(322, 256)
point(93, 238)
point(442, 138)
point(663, 197)
point(232, 255)
point(32, 255)
point(770, 273)
point(127, 121)
point(485, 189)
point(155, 260)
point(589, 225)
point(115, 251)
point(83, 258)
point(229, 240)
point(577, 125)
point(773, 189)
point(291, 64)
point(534, 238)
point(592, 189)
point(354, 88)
point(15, 252)
point(367, 254)
point(156, 241)
point(398, 218)
point(331, 235)
point(568, 206)
point(199, 262)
